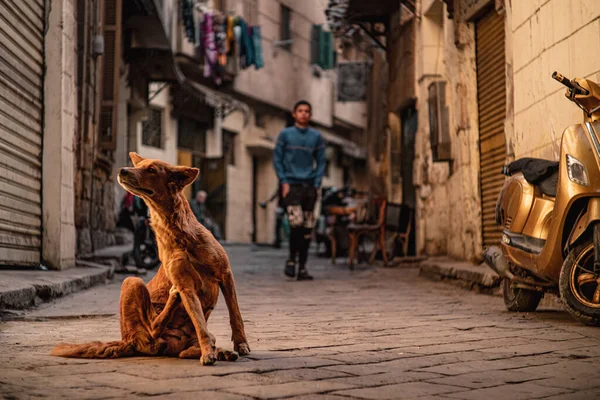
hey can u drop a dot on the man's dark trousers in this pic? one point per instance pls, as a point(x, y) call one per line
point(299, 205)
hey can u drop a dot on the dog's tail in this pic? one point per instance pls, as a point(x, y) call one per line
point(114, 349)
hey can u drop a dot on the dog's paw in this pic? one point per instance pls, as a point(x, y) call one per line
point(242, 348)
point(227, 355)
point(208, 359)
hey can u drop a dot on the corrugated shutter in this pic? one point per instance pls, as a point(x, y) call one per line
point(21, 101)
point(491, 89)
point(111, 64)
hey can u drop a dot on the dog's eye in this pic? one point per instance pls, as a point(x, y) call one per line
point(152, 170)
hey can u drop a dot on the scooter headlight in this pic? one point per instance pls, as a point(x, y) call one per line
point(576, 170)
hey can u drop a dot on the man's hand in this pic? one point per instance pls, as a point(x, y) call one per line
point(285, 189)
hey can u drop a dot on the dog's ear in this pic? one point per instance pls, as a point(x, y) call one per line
point(183, 176)
point(135, 158)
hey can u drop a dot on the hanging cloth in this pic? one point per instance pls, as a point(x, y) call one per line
point(220, 29)
point(198, 17)
point(257, 42)
point(210, 51)
point(230, 34)
point(246, 45)
point(249, 47)
point(187, 10)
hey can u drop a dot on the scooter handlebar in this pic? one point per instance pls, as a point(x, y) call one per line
point(567, 82)
point(562, 79)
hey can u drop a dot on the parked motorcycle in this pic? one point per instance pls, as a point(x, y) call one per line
point(145, 249)
point(550, 212)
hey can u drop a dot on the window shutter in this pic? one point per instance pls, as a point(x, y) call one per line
point(315, 35)
point(322, 52)
point(328, 50)
point(439, 123)
point(111, 63)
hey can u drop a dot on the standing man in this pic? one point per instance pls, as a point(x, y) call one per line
point(299, 161)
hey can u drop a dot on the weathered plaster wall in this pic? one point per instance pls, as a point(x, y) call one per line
point(449, 213)
point(550, 36)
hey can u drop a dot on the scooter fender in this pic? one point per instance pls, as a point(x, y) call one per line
point(585, 222)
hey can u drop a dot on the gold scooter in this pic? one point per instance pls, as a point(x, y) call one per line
point(550, 214)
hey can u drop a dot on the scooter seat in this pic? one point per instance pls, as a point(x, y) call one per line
point(539, 172)
point(548, 186)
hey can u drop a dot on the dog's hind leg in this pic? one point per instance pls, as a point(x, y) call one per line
point(238, 335)
point(188, 283)
point(137, 314)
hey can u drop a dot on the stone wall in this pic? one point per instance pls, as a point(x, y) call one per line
point(448, 205)
point(60, 114)
point(550, 36)
point(94, 194)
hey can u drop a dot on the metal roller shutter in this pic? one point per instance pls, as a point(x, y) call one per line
point(491, 89)
point(21, 107)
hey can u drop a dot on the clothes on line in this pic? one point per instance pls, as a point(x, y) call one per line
point(221, 39)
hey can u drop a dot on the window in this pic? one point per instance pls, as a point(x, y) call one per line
point(229, 146)
point(285, 28)
point(322, 50)
point(152, 128)
point(438, 122)
point(191, 135)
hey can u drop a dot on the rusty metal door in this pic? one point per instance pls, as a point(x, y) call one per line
point(21, 108)
point(491, 89)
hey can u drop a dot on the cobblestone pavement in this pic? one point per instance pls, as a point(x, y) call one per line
point(373, 333)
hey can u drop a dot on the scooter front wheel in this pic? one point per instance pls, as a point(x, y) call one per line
point(521, 300)
point(579, 286)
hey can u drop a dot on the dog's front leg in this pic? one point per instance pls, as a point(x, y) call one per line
point(159, 324)
point(187, 282)
point(238, 335)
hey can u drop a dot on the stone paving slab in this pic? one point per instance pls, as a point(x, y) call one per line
point(25, 289)
point(372, 333)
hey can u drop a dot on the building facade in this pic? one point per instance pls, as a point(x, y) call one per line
point(38, 116)
point(228, 131)
point(469, 89)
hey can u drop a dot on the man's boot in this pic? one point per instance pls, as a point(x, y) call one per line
point(303, 274)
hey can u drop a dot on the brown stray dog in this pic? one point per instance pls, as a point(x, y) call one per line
point(168, 317)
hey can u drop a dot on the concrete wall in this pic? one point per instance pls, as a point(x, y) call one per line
point(448, 208)
point(287, 75)
point(59, 236)
point(549, 36)
point(239, 183)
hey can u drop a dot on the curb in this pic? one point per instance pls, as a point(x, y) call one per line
point(36, 287)
point(477, 278)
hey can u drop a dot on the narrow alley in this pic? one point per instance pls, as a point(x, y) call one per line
point(372, 333)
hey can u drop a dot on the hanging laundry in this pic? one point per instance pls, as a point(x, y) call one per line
point(220, 29)
point(257, 42)
point(250, 57)
point(198, 17)
point(187, 10)
point(230, 34)
point(246, 45)
point(208, 39)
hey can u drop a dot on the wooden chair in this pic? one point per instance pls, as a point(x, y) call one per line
point(375, 225)
point(398, 220)
point(334, 212)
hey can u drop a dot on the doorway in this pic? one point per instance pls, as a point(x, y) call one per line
point(409, 120)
